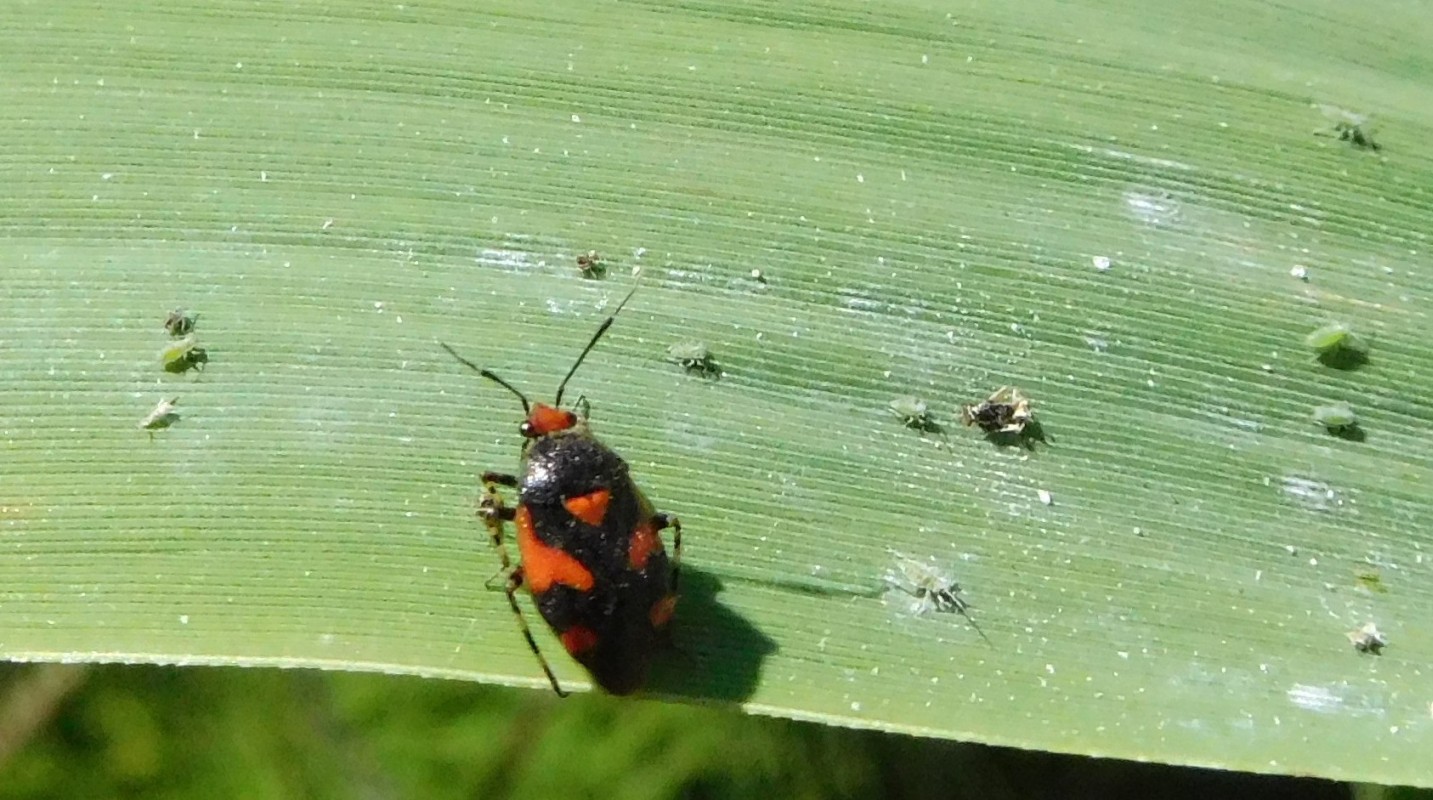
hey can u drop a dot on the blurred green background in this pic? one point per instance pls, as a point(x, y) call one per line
point(164, 732)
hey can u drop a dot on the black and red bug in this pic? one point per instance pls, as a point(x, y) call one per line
point(588, 540)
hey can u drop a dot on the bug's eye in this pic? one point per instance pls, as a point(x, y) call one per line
point(527, 429)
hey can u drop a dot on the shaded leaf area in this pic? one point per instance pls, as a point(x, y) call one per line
point(1054, 197)
point(166, 733)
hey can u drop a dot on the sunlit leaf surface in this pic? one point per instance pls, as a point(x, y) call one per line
point(1107, 206)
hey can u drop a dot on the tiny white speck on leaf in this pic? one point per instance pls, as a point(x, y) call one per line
point(1102, 263)
point(1045, 496)
point(576, 118)
point(1300, 272)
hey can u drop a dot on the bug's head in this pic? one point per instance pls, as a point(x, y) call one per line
point(541, 419)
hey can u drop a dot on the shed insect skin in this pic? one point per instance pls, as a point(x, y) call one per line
point(930, 589)
point(1005, 411)
point(163, 415)
point(1368, 639)
point(592, 557)
point(591, 265)
point(1356, 129)
point(180, 322)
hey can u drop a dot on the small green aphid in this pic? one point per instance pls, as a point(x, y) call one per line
point(912, 412)
point(180, 322)
point(161, 417)
point(1371, 580)
point(183, 355)
point(1336, 417)
point(694, 357)
point(1332, 338)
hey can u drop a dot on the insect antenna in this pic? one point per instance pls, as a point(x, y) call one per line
point(596, 337)
point(962, 609)
point(490, 375)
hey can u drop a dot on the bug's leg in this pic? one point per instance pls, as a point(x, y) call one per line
point(513, 584)
point(662, 522)
point(495, 513)
point(500, 479)
point(495, 517)
point(668, 604)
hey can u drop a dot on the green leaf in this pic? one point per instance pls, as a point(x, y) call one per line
point(929, 195)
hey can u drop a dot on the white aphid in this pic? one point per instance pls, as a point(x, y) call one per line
point(162, 416)
point(922, 587)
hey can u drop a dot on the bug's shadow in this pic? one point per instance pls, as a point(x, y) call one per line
point(1350, 433)
point(927, 426)
point(1032, 435)
point(707, 369)
point(717, 654)
point(1343, 358)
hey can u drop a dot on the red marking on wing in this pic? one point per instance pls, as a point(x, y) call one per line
point(543, 565)
point(591, 508)
point(578, 639)
point(662, 611)
point(644, 543)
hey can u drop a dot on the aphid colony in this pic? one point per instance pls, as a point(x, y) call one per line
point(179, 356)
point(591, 553)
